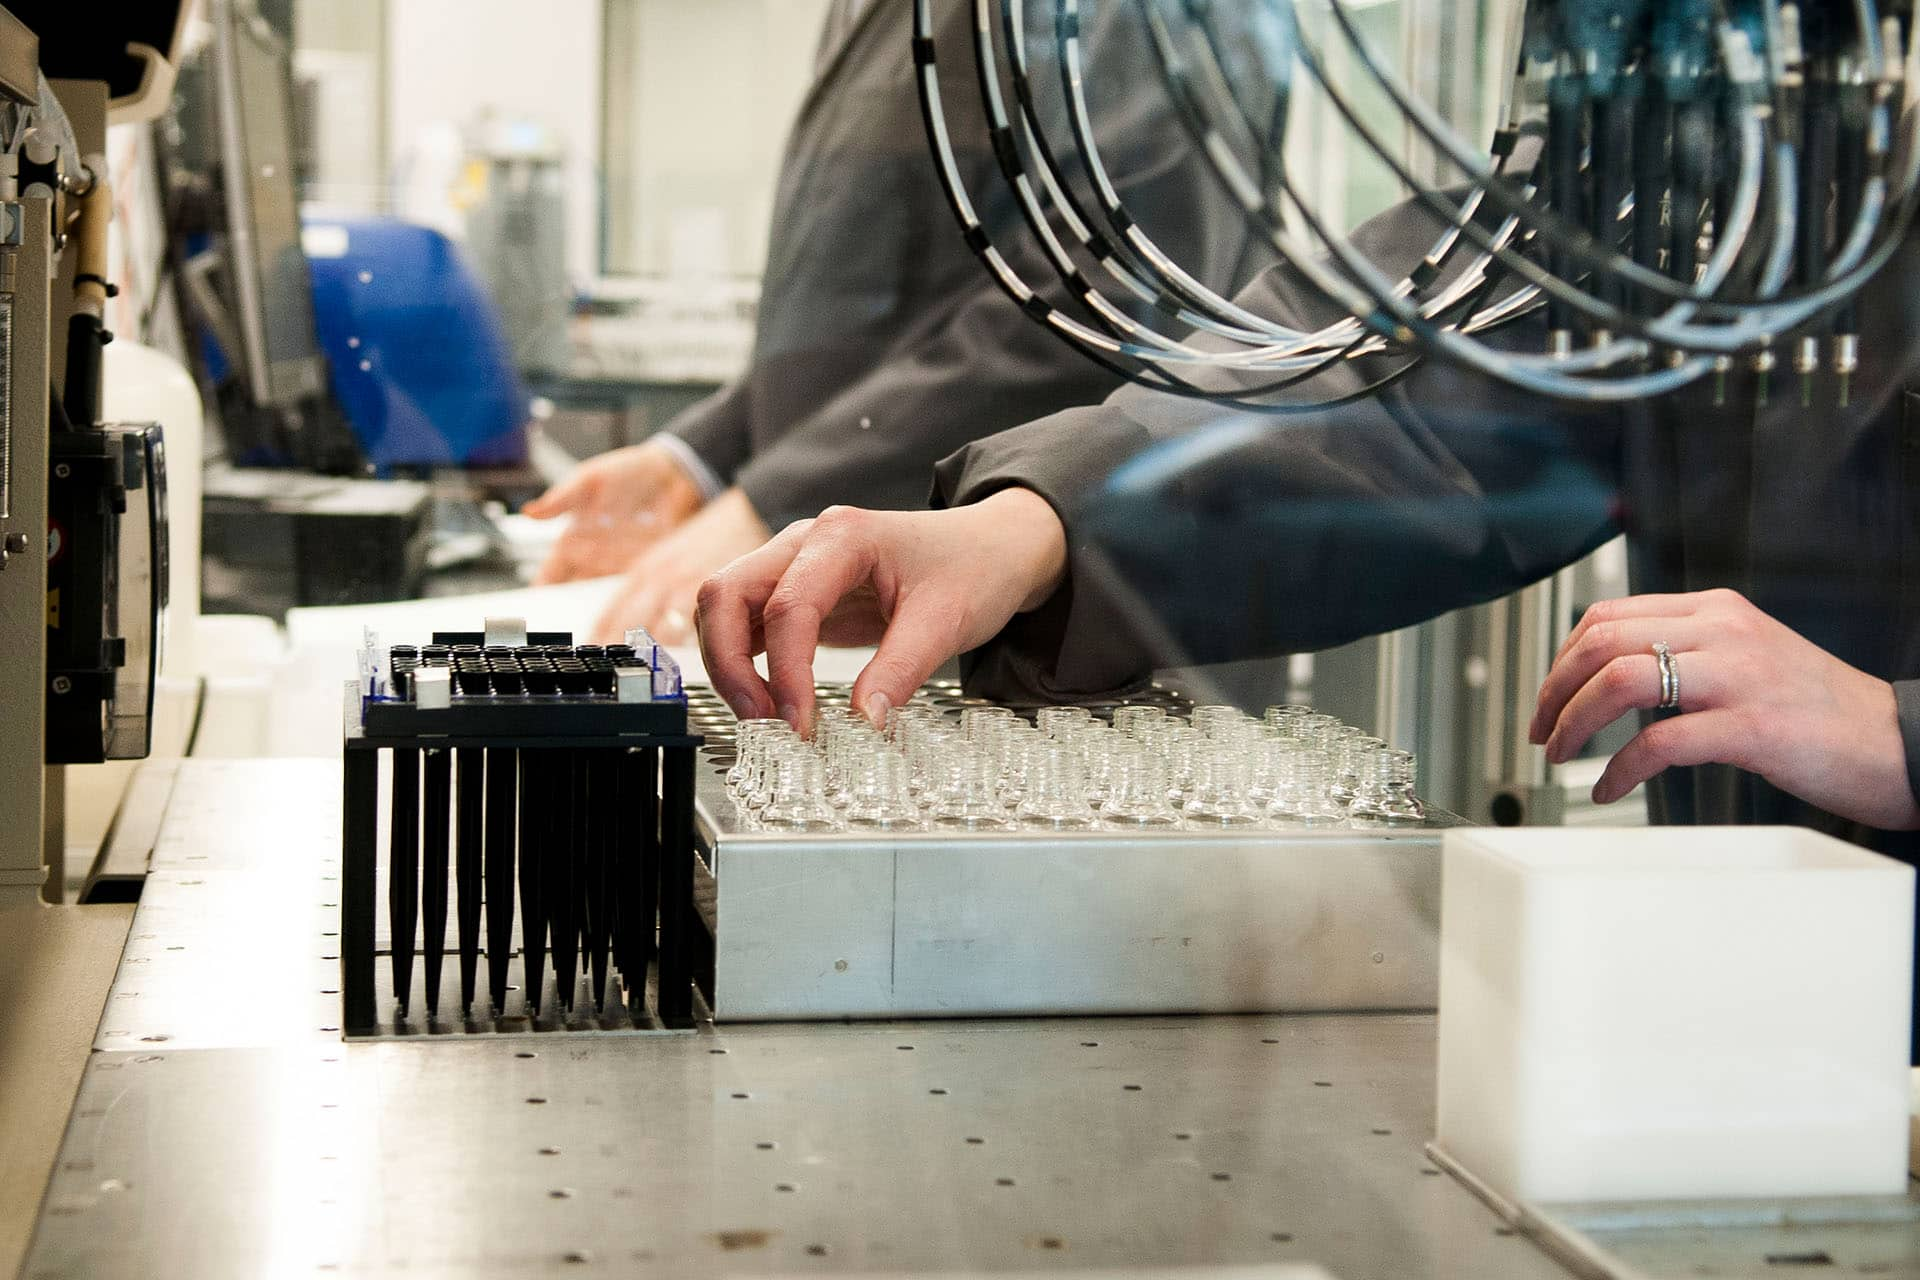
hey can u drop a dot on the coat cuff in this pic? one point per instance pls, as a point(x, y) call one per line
point(1906, 697)
point(703, 476)
point(1079, 645)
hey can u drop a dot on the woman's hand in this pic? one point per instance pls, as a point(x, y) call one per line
point(622, 502)
point(922, 585)
point(1753, 694)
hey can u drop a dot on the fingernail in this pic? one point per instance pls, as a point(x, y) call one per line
point(791, 714)
point(1603, 794)
point(877, 707)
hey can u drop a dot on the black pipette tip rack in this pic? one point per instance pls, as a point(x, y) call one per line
point(519, 766)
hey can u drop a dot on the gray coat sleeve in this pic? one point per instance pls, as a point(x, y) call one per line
point(968, 362)
point(1203, 534)
point(976, 372)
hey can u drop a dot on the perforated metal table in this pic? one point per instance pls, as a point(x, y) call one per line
point(224, 1129)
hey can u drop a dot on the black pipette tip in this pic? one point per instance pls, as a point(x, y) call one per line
point(438, 831)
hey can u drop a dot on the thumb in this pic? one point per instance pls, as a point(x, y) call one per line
point(916, 642)
point(566, 496)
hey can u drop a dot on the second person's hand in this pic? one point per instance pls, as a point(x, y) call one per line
point(621, 502)
point(660, 586)
point(922, 585)
point(1753, 693)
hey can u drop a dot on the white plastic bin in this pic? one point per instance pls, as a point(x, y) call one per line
point(1674, 1013)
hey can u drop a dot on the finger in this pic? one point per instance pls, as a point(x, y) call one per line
point(611, 626)
point(627, 607)
point(1649, 606)
point(563, 563)
point(1627, 684)
point(552, 569)
point(1599, 645)
point(561, 498)
point(1705, 737)
point(922, 634)
point(727, 616)
point(837, 558)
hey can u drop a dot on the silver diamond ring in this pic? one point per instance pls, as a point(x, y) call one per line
point(1669, 677)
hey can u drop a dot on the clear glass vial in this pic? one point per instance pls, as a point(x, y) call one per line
point(877, 795)
point(1175, 742)
point(1132, 721)
point(980, 724)
point(796, 796)
point(1386, 796)
point(1056, 798)
point(1352, 752)
point(1212, 721)
point(1300, 797)
point(1137, 793)
point(747, 736)
point(766, 746)
point(967, 796)
point(1052, 720)
point(1286, 720)
point(1218, 794)
point(1012, 749)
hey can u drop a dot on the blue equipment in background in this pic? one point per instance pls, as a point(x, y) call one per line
point(419, 361)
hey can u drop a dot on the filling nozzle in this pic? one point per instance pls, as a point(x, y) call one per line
point(1806, 363)
point(1846, 362)
point(1765, 361)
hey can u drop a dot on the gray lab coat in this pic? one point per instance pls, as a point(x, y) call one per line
point(1200, 534)
point(881, 344)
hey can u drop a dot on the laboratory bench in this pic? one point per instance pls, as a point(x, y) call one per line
point(223, 1126)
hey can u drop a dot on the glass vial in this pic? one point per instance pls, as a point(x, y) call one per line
point(1385, 796)
point(877, 795)
point(1300, 797)
point(967, 796)
point(1138, 792)
point(1056, 798)
point(1218, 794)
point(796, 796)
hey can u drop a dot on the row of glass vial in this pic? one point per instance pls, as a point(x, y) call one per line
point(992, 770)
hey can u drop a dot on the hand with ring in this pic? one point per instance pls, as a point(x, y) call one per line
point(1748, 691)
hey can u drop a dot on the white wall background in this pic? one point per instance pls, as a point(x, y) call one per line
point(697, 132)
point(449, 59)
point(695, 98)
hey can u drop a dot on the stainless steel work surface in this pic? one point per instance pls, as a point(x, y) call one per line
point(915, 1148)
point(224, 1128)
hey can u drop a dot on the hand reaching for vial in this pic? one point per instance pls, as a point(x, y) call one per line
point(622, 502)
point(1753, 693)
point(922, 585)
